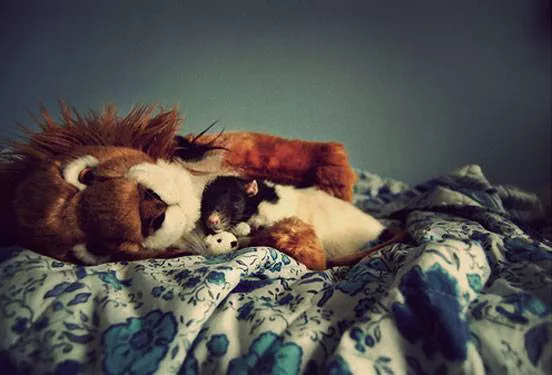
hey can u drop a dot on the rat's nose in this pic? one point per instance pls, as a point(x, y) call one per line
point(234, 243)
point(213, 219)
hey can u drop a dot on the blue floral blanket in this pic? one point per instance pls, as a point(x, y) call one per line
point(469, 293)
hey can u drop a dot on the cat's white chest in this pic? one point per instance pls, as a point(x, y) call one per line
point(342, 228)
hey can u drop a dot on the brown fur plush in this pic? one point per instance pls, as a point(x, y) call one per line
point(286, 161)
point(295, 238)
point(42, 211)
point(39, 209)
point(42, 150)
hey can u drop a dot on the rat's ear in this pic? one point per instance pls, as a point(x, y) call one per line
point(251, 188)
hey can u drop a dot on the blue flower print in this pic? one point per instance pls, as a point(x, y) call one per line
point(361, 339)
point(282, 359)
point(474, 280)
point(168, 296)
point(202, 269)
point(245, 311)
point(338, 367)
point(285, 259)
point(216, 277)
point(364, 305)
point(520, 249)
point(138, 345)
point(220, 259)
point(273, 253)
point(41, 323)
point(274, 267)
point(218, 345)
point(191, 282)
point(181, 275)
point(110, 278)
point(63, 287)
point(69, 367)
point(190, 365)
point(431, 313)
point(359, 276)
point(535, 341)
point(268, 355)
point(157, 291)
point(350, 287)
point(285, 300)
point(21, 324)
point(80, 272)
point(58, 305)
point(520, 303)
point(248, 285)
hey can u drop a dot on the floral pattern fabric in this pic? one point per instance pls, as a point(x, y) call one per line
point(470, 292)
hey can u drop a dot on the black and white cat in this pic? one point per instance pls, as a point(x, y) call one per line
point(342, 228)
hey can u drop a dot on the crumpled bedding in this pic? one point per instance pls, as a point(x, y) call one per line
point(470, 292)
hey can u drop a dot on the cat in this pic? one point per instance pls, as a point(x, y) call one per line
point(342, 227)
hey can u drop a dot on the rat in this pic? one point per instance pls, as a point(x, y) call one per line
point(226, 205)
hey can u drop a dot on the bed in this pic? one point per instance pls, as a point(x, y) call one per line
point(469, 292)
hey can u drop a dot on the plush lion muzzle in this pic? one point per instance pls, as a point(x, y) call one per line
point(103, 203)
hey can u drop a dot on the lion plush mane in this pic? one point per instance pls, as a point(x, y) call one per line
point(99, 187)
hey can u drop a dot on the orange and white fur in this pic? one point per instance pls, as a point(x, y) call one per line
point(342, 228)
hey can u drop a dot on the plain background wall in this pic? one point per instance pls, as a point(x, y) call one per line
point(413, 88)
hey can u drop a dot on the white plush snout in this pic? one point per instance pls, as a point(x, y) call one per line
point(221, 243)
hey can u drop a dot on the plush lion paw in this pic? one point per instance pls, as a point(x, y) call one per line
point(242, 229)
point(295, 238)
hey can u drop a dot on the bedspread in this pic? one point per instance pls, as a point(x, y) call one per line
point(470, 292)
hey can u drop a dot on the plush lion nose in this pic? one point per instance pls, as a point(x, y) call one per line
point(152, 210)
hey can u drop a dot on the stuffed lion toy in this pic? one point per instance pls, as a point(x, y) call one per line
point(101, 187)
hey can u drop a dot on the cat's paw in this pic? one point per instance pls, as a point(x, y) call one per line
point(242, 229)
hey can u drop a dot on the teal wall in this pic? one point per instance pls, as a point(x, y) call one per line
point(413, 88)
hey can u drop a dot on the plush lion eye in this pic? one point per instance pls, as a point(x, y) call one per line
point(158, 221)
point(87, 176)
point(80, 172)
point(151, 195)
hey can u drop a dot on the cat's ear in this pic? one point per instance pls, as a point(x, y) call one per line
point(251, 188)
